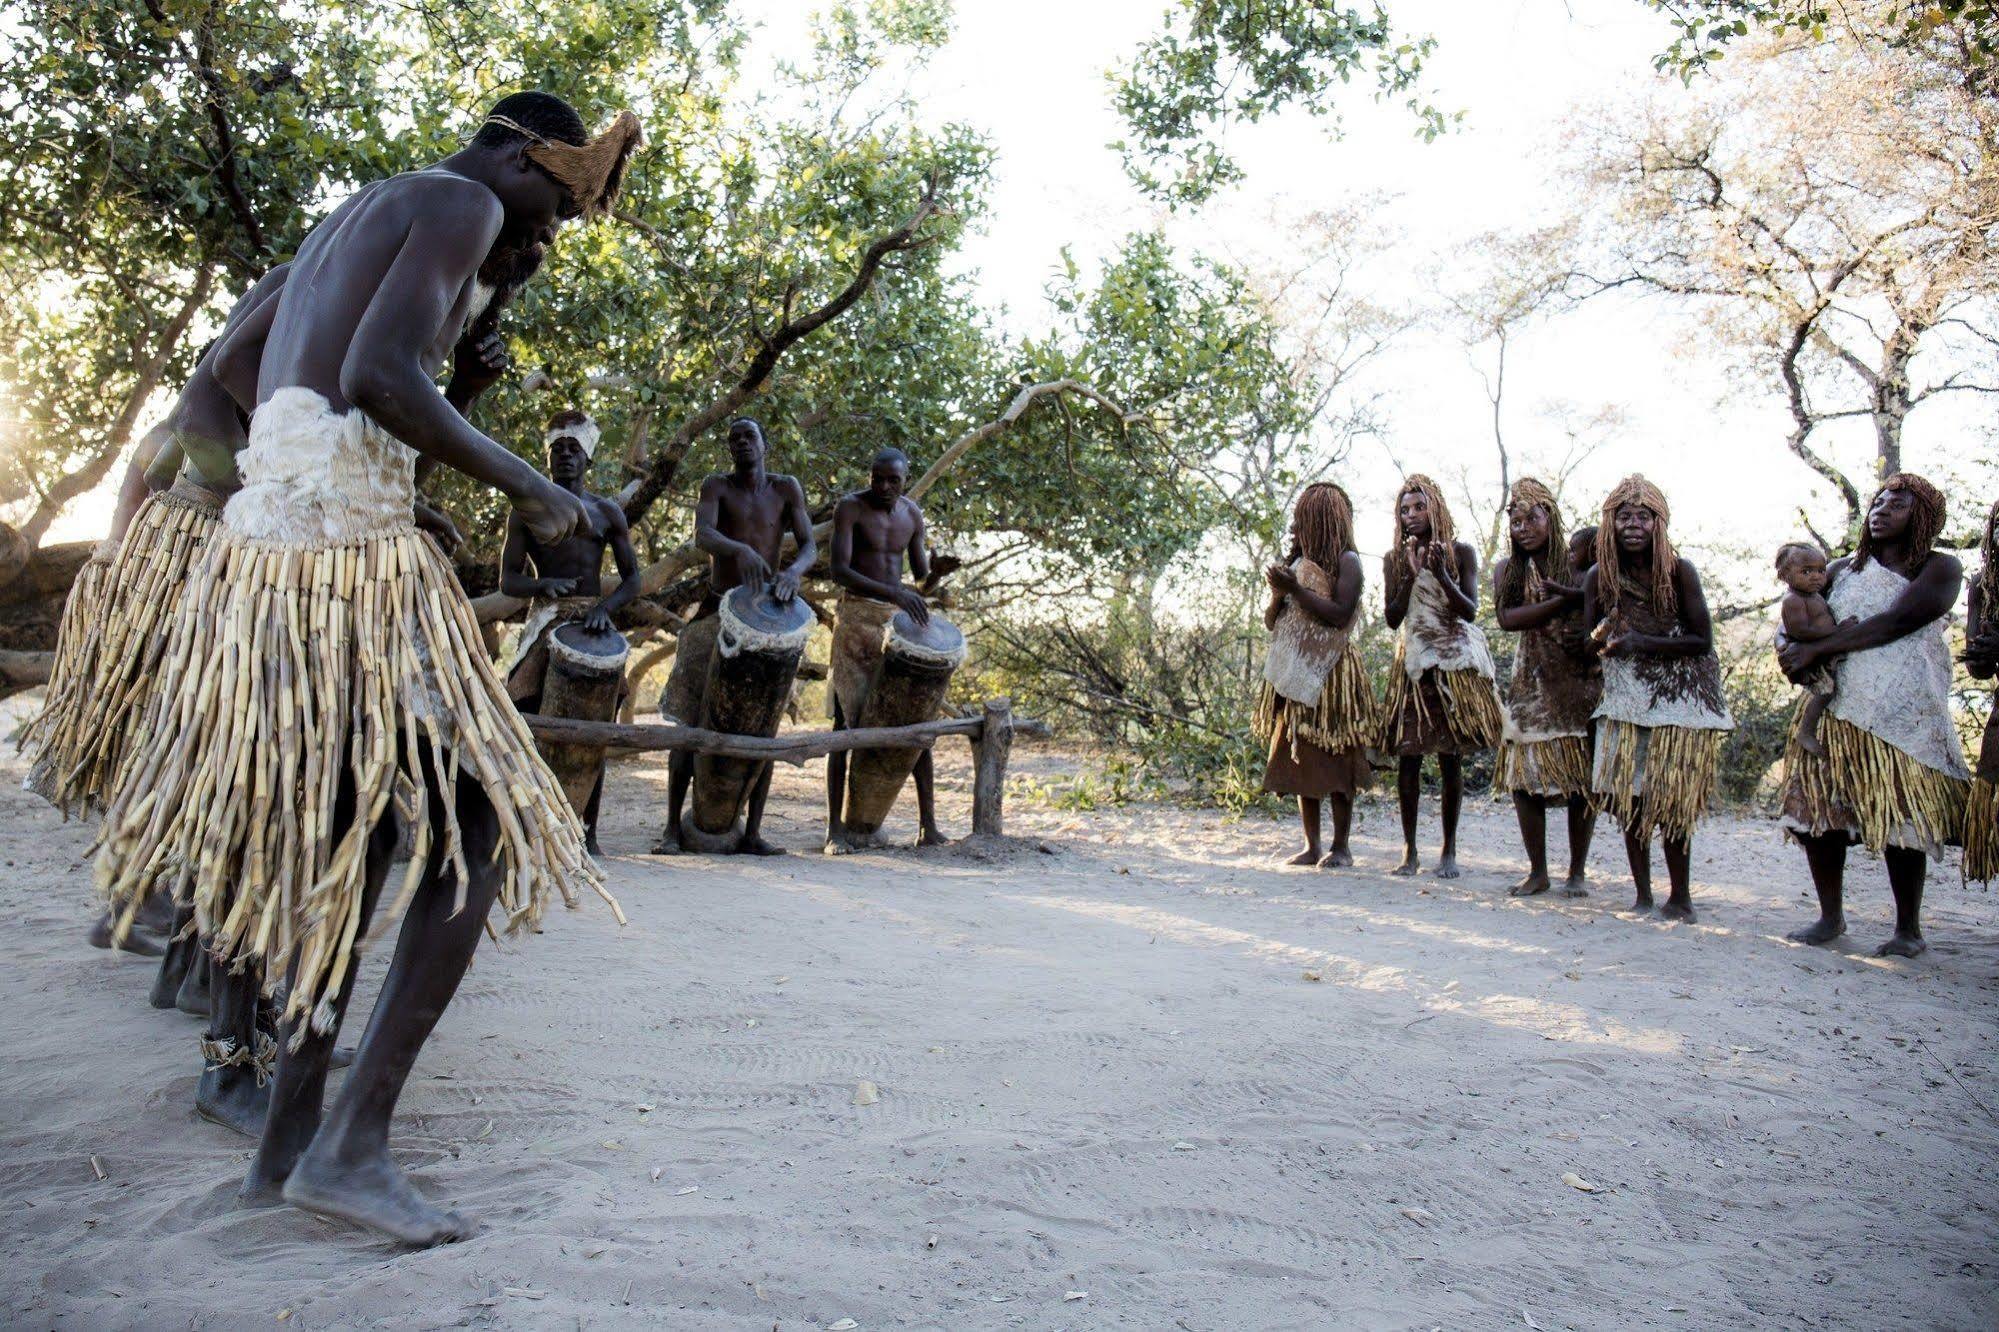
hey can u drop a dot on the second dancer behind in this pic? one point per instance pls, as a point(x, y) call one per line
point(1440, 697)
point(1544, 754)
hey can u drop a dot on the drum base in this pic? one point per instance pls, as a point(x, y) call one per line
point(713, 844)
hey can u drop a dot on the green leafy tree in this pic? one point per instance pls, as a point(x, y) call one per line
point(1221, 62)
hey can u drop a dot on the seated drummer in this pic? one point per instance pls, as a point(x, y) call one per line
point(873, 530)
point(741, 520)
point(565, 585)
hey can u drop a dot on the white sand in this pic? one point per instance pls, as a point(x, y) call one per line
point(1101, 1070)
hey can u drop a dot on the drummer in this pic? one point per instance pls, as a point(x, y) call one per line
point(741, 520)
point(563, 583)
point(873, 530)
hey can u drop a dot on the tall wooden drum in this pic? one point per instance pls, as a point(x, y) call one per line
point(586, 671)
point(757, 650)
point(909, 687)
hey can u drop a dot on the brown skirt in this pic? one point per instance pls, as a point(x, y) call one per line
point(1304, 769)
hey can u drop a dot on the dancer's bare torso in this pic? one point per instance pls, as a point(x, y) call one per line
point(395, 262)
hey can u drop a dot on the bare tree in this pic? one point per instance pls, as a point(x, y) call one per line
point(1832, 208)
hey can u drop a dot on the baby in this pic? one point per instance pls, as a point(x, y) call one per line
point(1807, 618)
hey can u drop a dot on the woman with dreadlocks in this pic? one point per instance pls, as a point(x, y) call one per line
point(1661, 721)
point(1440, 695)
point(1544, 750)
point(1315, 710)
point(1981, 658)
point(1892, 774)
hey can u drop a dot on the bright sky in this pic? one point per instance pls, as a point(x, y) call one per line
point(1031, 73)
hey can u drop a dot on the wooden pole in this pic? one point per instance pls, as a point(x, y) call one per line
point(794, 748)
point(989, 754)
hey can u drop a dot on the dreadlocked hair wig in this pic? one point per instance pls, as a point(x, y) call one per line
point(1323, 522)
point(1988, 574)
point(1925, 522)
point(1523, 569)
point(1658, 579)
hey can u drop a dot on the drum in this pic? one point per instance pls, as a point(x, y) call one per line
point(908, 687)
point(758, 645)
point(586, 672)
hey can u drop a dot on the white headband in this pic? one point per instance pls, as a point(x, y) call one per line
point(584, 432)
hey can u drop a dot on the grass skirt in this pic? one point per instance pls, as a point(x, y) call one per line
point(1871, 790)
point(1470, 706)
point(1981, 833)
point(1656, 777)
point(147, 581)
point(1343, 717)
point(1558, 768)
point(293, 673)
point(55, 735)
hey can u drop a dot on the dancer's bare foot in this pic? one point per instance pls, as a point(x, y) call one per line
point(1447, 866)
point(1903, 945)
point(1677, 911)
point(837, 844)
point(1821, 931)
point(1531, 886)
point(1309, 856)
point(931, 837)
point(231, 1097)
point(757, 846)
point(1576, 885)
point(1409, 865)
point(668, 842)
point(138, 941)
point(375, 1193)
point(590, 845)
point(1641, 905)
point(1337, 858)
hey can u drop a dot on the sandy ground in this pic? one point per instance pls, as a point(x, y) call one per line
point(1144, 1079)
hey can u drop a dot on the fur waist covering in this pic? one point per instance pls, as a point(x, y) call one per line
point(1550, 698)
point(54, 735)
point(1893, 773)
point(1340, 717)
point(300, 673)
point(1303, 650)
point(1434, 638)
point(859, 629)
point(93, 718)
point(1660, 728)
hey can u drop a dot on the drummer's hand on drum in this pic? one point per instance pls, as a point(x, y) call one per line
point(784, 587)
point(598, 621)
point(912, 603)
point(754, 568)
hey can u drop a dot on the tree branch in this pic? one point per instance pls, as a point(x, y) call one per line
point(660, 467)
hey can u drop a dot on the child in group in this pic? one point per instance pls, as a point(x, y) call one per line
point(1807, 618)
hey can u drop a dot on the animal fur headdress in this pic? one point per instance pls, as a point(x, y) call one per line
point(1635, 489)
point(1925, 520)
point(1524, 571)
point(1323, 522)
point(574, 425)
point(592, 172)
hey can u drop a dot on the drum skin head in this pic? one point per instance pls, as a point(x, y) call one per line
point(584, 643)
point(940, 636)
point(758, 610)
